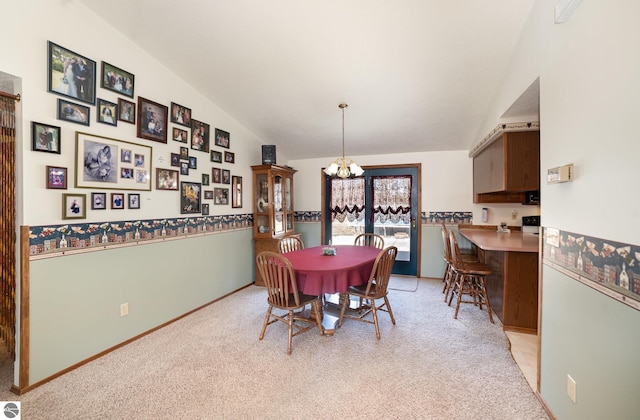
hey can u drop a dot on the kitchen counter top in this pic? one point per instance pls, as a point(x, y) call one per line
point(491, 240)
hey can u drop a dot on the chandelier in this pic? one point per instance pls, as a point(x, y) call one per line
point(343, 167)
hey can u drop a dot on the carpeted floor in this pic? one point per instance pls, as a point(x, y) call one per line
point(211, 365)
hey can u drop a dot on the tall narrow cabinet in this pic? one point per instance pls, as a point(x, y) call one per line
point(272, 208)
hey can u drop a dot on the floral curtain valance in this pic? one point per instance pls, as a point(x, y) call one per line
point(392, 199)
point(347, 199)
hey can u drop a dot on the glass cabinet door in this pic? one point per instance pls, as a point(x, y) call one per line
point(278, 222)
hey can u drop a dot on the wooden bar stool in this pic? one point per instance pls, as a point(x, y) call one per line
point(448, 278)
point(469, 279)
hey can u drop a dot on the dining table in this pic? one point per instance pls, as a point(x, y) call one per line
point(319, 274)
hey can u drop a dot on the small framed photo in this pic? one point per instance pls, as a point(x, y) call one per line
point(226, 176)
point(71, 74)
point(152, 120)
point(134, 200)
point(175, 159)
point(205, 209)
point(222, 138)
point(236, 192)
point(73, 206)
point(208, 195)
point(68, 111)
point(125, 155)
point(229, 157)
point(126, 111)
point(117, 201)
point(98, 201)
point(190, 197)
point(117, 80)
point(180, 115)
point(220, 196)
point(199, 136)
point(56, 178)
point(205, 179)
point(167, 179)
point(184, 153)
point(216, 156)
point(45, 138)
point(184, 168)
point(216, 175)
point(126, 173)
point(107, 112)
point(193, 162)
point(180, 135)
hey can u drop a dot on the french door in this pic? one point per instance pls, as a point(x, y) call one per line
point(385, 201)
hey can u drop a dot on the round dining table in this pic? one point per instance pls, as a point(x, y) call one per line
point(319, 274)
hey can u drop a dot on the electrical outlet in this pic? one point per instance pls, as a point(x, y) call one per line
point(571, 388)
point(514, 214)
point(124, 309)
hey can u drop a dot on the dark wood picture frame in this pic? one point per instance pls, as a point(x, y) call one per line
point(98, 201)
point(226, 176)
point(175, 160)
point(117, 201)
point(184, 153)
point(73, 113)
point(184, 168)
point(167, 179)
point(71, 74)
point(216, 156)
point(107, 112)
point(190, 197)
point(222, 138)
point(236, 192)
point(152, 120)
point(200, 133)
point(133, 200)
point(221, 196)
point(216, 175)
point(205, 209)
point(180, 115)
point(229, 157)
point(126, 111)
point(117, 80)
point(205, 179)
point(45, 138)
point(193, 162)
point(208, 194)
point(179, 135)
point(56, 178)
point(74, 206)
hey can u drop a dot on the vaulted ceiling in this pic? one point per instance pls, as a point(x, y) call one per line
point(418, 75)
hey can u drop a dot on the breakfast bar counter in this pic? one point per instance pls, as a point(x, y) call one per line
point(513, 286)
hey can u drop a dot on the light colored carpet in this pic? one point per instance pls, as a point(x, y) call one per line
point(211, 365)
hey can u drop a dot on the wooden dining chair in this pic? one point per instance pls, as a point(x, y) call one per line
point(469, 278)
point(448, 277)
point(374, 289)
point(369, 239)
point(282, 294)
point(290, 243)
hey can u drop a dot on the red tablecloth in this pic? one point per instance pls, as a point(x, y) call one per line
point(318, 274)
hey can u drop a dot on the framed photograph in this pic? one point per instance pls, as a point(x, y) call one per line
point(205, 209)
point(152, 120)
point(205, 179)
point(126, 111)
point(216, 175)
point(68, 111)
point(45, 138)
point(99, 163)
point(175, 159)
point(190, 195)
point(216, 156)
point(117, 80)
point(184, 153)
point(208, 195)
point(199, 136)
point(222, 139)
point(220, 196)
point(229, 157)
point(117, 201)
point(71, 74)
point(180, 135)
point(180, 115)
point(236, 192)
point(134, 200)
point(98, 201)
point(193, 162)
point(56, 178)
point(73, 206)
point(167, 179)
point(226, 176)
point(184, 168)
point(107, 112)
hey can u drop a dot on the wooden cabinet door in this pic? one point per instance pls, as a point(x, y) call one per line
point(489, 169)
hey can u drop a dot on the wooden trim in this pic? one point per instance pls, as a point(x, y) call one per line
point(23, 367)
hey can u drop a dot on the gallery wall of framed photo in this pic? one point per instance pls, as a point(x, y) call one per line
point(114, 151)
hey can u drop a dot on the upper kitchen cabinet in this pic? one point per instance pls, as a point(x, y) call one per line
point(507, 168)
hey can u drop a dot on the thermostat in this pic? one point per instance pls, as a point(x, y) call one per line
point(560, 174)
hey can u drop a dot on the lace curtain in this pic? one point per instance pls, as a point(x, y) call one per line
point(391, 199)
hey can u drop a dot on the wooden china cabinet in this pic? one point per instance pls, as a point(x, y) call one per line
point(272, 208)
